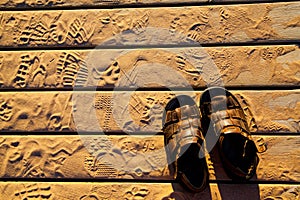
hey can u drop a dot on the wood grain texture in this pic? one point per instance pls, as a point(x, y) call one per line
point(128, 157)
point(143, 191)
point(133, 68)
point(129, 111)
point(177, 26)
point(99, 3)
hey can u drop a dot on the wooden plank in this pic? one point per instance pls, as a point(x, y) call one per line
point(127, 68)
point(127, 157)
point(130, 111)
point(83, 191)
point(177, 26)
point(100, 3)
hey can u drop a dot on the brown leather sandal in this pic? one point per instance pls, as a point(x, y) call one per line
point(222, 111)
point(184, 143)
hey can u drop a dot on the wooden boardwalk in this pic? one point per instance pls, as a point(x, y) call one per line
point(83, 85)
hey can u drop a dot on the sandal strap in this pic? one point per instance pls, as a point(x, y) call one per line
point(230, 122)
point(228, 118)
point(183, 127)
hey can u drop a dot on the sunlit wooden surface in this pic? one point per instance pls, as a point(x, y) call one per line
point(73, 126)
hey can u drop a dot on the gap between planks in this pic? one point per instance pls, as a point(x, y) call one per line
point(69, 5)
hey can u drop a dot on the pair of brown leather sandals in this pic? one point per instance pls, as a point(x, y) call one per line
point(185, 130)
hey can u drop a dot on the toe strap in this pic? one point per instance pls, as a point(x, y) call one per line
point(182, 127)
point(231, 121)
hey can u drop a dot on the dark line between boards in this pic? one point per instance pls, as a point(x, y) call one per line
point(141, 5)
point(137, 181)
point(122, 133)
point(158, 46)
point(151, 89)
